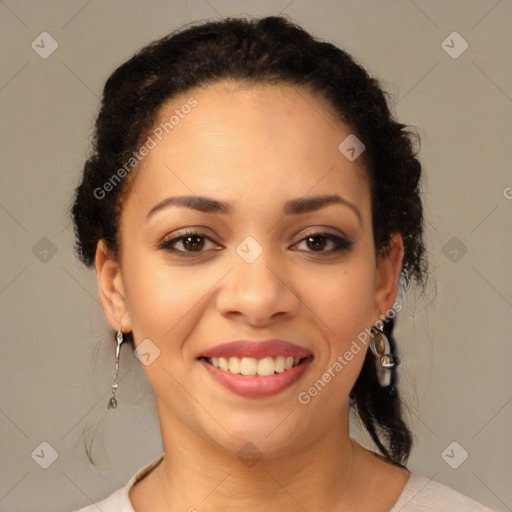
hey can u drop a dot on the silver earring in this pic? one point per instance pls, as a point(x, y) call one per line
point(112, 403)
point(385, 361)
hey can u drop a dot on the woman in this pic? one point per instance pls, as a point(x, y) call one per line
point(250, 207)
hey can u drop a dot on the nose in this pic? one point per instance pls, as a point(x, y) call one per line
point(256, 293)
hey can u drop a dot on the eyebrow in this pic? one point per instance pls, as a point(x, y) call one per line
point(291, 207)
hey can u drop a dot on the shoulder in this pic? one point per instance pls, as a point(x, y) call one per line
point(119, 501)
point(423, 494)
point(116, 502)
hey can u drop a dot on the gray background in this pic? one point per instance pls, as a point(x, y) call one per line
point(57, 351)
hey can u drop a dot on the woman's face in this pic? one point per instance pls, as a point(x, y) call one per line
point(255, 267)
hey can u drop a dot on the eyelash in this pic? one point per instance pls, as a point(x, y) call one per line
point(340, 243)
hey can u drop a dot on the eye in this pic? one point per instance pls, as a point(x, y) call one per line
point(319, 240)
point(192, 241)
point(195, 241)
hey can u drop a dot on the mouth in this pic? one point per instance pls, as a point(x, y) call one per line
point(255, 369)
point(250, 366)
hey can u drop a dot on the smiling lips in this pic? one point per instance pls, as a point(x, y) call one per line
point(256, 368)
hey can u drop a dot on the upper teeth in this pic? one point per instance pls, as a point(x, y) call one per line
point(252, 366)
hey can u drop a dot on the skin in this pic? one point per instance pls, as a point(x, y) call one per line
point(255, 146)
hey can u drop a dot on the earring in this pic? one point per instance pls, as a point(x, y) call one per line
point(112, 403)
point(385, 361)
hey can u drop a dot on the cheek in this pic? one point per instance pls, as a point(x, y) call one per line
point(343, 300)
point(165, 302)
point(156, 299)
point(342, 306)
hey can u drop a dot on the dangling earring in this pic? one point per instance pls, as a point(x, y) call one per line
point(385, 361)
point(112, 403)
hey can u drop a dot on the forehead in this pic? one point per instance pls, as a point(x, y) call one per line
point(242, 140)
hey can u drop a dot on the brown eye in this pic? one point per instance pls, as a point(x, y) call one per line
point(195, 242)
point(190, 241)
point(318, 241)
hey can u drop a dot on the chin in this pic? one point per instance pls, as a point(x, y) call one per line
point(268, 435)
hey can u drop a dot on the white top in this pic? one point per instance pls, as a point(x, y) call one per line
point(419, 494)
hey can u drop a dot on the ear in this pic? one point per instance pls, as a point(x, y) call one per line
point(111, 288)
point(387, 276)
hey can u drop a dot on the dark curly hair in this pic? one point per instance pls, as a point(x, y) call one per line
point(266, 50)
